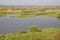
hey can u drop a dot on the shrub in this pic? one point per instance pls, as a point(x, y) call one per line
point(33, 28)
point(23, 32)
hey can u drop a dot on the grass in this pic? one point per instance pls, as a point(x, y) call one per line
point(23, 16)
point(51, 15)
point(30, 14)
point(1, 15)
point(44, 34)
point(48, 14)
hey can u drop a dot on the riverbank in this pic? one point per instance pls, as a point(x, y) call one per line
point(33, 33)
point(30, 15)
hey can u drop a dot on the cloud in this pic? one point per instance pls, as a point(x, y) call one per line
point(29, 2)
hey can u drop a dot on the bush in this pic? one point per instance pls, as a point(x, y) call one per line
point(33, 28)
point(23, 32)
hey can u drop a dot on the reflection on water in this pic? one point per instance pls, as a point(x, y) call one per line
point(8, 24)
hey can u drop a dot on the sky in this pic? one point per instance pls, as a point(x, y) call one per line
point(29, 2)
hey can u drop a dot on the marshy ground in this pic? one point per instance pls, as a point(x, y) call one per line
point(33, 32)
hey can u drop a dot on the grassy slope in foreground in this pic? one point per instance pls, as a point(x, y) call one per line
point(33, 33)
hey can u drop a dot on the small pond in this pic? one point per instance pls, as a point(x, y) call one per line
point(8, 24)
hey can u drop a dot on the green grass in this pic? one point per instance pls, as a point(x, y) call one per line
point(44, 34)
point(1, 15)
point(51, 15)
point(23, 16)
point(27, 15)
point(34, 15)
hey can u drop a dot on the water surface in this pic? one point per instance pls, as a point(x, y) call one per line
point(8, 24)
